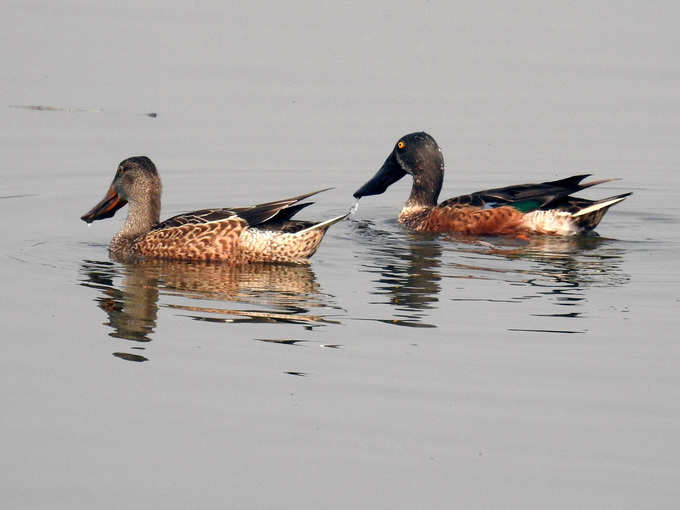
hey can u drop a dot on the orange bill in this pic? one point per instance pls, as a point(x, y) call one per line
point(106, 208)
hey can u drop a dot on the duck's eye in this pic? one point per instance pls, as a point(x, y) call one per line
point(401, 144)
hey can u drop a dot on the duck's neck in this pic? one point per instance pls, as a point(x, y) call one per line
point(426, 188)
point(142, 215)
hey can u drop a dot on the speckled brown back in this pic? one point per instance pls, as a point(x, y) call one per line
point(204, 241)
point(230, 240)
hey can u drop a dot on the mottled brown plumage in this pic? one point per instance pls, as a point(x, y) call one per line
point(259, 233)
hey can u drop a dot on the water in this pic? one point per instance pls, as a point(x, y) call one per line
point(398, 369)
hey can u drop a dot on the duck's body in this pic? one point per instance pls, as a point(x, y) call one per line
point(545, 208)
point(259, 233)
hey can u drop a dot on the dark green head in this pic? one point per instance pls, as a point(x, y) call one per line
point(416, 154)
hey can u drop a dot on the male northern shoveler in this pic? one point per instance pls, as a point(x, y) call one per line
point(545, 208)
point(259, 233)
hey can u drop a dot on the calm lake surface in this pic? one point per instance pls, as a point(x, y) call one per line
point(397, 370)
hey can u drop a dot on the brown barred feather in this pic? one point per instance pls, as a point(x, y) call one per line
point(467, 220)
point(203, 241)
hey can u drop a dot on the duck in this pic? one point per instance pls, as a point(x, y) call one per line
point(519, 210)
point(237, 235)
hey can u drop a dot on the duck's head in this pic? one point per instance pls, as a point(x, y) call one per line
point(416, 154)
point(136, 181)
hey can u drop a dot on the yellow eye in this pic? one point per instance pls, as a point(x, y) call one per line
point(401, 144)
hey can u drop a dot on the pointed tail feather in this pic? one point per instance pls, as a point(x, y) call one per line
point(291, 200)
point(274, 211)
point(574, 184)
point(589, 217)
point(323, 225)
point(605, 203)
point(306, 241)
point(596, 182)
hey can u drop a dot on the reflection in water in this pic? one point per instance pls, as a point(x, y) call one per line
point(568, 267)
point(411, 268)
point(132, 309)
point(578, 261)
point(129, 294)
point(407, 269)
point(24, 195)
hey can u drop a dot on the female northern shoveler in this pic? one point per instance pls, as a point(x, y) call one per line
point(259, 233)
point(545, 208)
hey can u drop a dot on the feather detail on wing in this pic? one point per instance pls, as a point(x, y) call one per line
point(280, 210)
point(526, 197)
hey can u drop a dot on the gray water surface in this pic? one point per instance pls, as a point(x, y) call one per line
point(397, 370)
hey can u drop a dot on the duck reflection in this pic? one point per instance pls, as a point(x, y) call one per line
point(579, 261)
point(129, 294)
point(564, 269)
point(411, 268)
point(407, 269)
point(131, 308)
